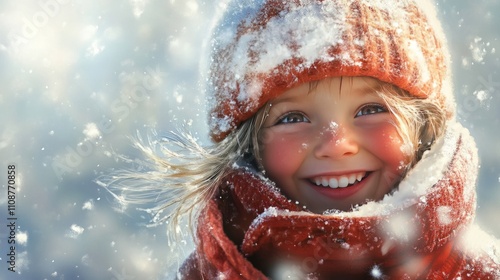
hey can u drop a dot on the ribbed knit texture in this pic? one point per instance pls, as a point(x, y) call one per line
point(262, 48)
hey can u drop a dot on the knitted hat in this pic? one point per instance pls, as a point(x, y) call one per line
point(261, 48)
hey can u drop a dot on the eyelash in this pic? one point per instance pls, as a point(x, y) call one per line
point(378, 109)
point(281, 120)
point(374, 109)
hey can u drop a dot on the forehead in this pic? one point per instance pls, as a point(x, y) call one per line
point(338, 86)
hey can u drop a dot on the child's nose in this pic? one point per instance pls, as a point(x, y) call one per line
point(335, 142)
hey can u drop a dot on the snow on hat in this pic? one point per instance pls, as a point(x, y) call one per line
point(260, 48)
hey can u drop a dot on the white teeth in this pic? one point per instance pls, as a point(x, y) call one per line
point(324, 182)
point(360, 176)
point(343, 182)
point(334, 183)
point(317, 181)
point(339, 182)
point(352, 179)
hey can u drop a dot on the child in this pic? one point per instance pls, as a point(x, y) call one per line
point(336, 152)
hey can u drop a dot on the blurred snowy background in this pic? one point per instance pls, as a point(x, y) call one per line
point(80, 77)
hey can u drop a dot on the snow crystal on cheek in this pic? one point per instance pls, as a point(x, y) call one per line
point(334, 127)
point(402, 165)
point(303, 147)
point(407, 148)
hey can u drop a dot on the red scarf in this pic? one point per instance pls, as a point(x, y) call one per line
point(414, 239)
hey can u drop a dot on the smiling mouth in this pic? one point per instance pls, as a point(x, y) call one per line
point(342, 181)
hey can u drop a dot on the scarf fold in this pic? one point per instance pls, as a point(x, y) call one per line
point(409, 233)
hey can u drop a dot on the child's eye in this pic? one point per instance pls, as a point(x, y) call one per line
point(293, 117)
point(370, 109)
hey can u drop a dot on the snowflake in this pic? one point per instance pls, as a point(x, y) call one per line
point(376, 273)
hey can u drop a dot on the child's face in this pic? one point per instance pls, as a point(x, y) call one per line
point(332, 146)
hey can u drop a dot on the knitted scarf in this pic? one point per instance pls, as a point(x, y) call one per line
point(410, 234)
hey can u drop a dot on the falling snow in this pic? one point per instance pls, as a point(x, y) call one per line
point(376, 273)
point(75, 231)
point(88, 205)
point(91, 131)
point(62, 68)
point(22, 238)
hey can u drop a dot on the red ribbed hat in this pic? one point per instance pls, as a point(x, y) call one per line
point(262, 48)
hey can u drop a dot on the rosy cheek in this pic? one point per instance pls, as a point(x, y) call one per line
point(279, 158)
point(387, 144)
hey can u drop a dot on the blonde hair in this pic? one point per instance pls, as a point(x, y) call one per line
point(185, 176)
point(178, 176)
point(419, 121)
